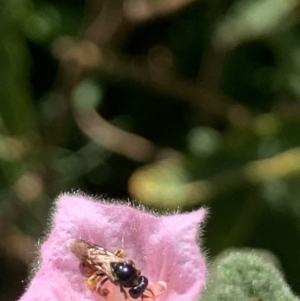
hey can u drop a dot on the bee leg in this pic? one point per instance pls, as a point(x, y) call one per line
point(93, 281)
point(119, 253)
point(104, 292)
point(123, 292)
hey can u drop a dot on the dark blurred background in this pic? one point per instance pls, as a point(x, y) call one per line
point(175, 103)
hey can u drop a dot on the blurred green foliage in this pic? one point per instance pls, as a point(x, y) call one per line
point(176, 104)
point(246, 275)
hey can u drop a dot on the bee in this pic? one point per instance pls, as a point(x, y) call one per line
point(100, 265)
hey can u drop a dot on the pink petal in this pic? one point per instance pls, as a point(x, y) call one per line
point(164, 248)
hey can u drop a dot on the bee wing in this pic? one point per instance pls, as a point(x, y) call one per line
point(92, 253)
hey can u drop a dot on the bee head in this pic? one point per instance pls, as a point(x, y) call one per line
point(137, 290)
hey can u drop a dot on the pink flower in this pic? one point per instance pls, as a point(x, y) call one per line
point(164, 248)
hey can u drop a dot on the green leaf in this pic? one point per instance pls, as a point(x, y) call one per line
point(246, 275)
